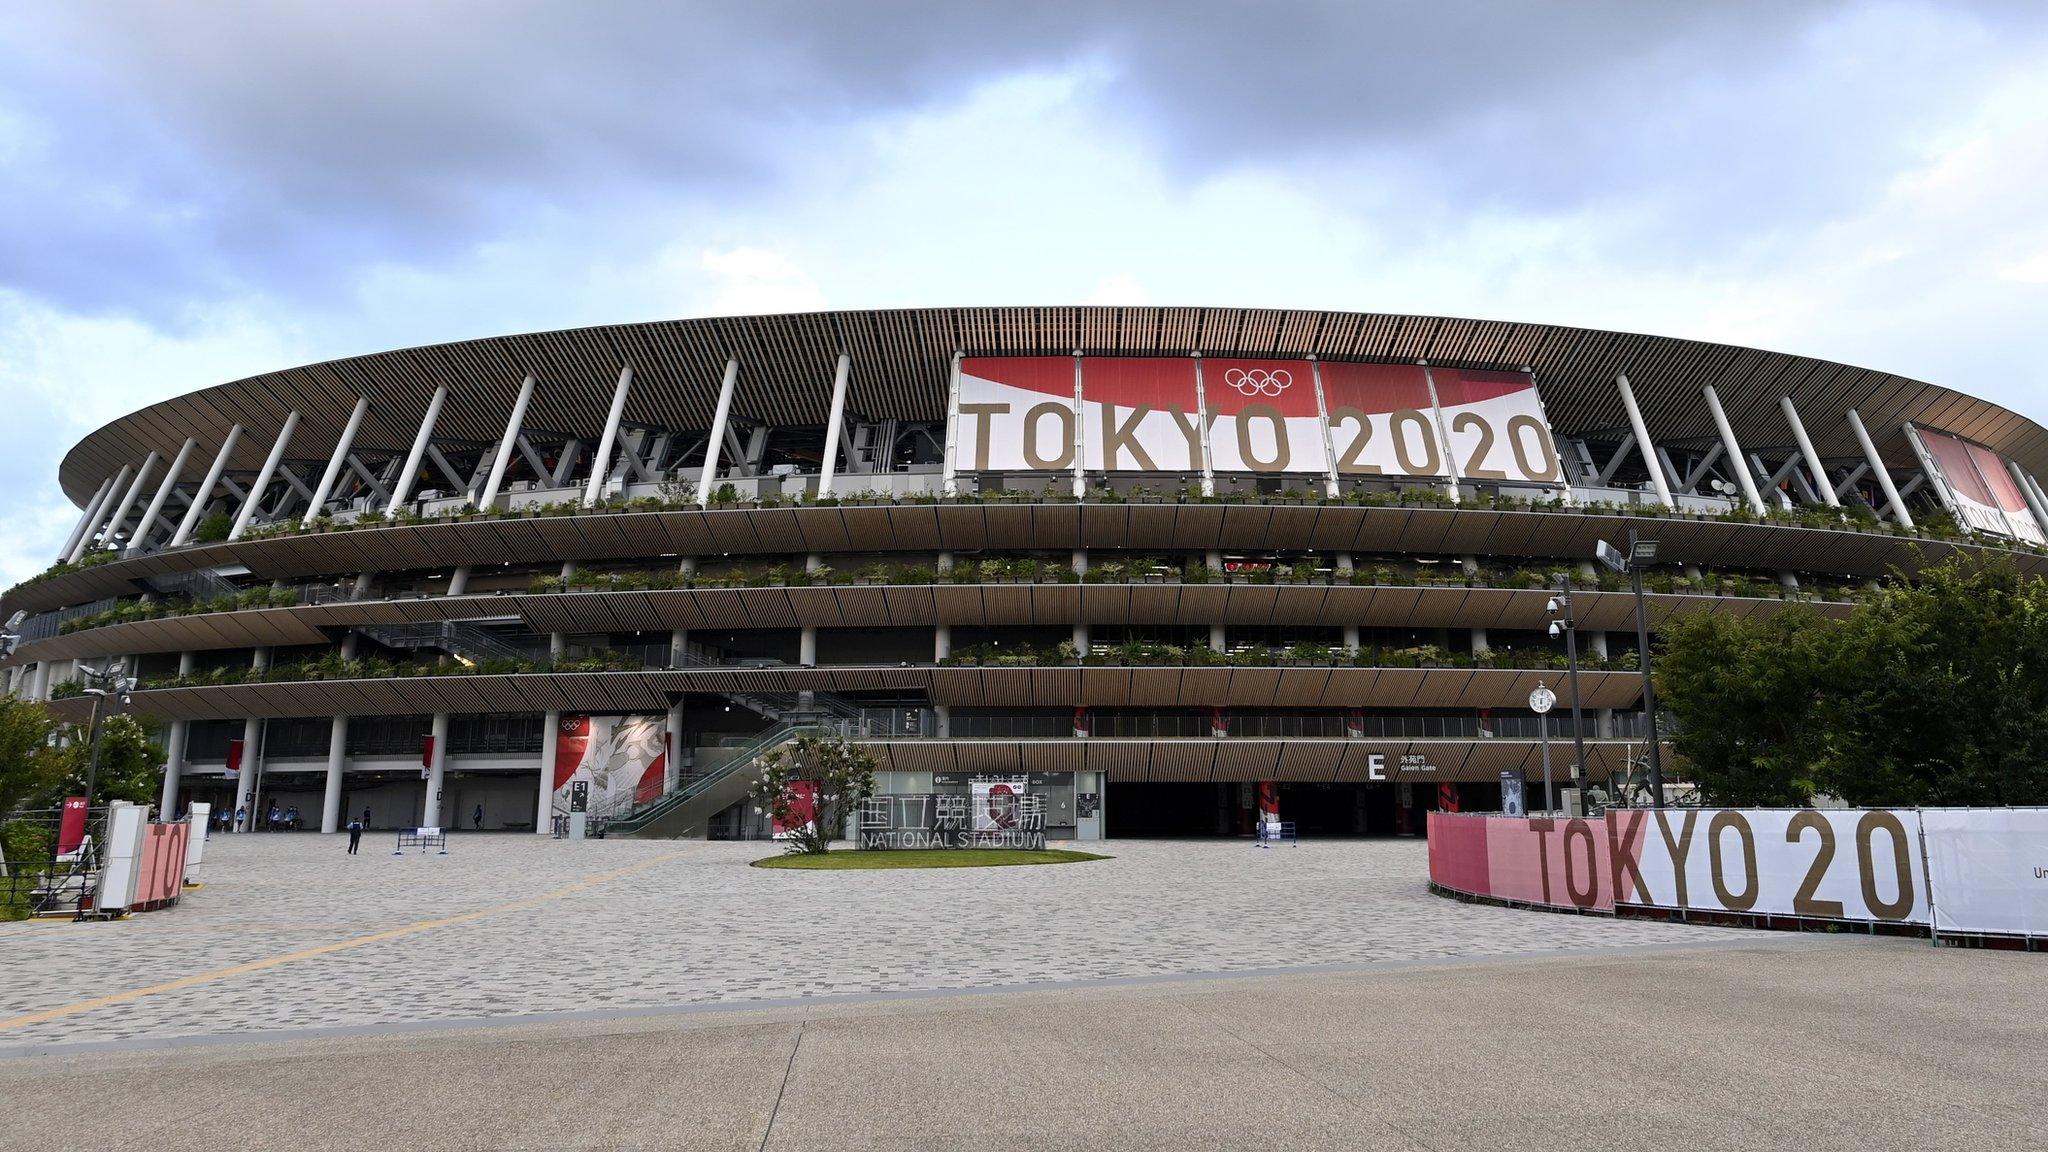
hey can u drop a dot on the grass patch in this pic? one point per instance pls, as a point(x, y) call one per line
point(857, 860)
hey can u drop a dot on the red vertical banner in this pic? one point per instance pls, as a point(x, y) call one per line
point(1447, 797)
point(1380, 420)
point(1138, 414)
point(572, 742)
point(1084, 725)
point(1219, 721)
point(71, 826)
point(1269, 802)
point(427, 751)
point(1263, 416)
point(234, 758)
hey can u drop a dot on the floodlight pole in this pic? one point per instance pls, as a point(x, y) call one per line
point(1635, 569)
point(1571, 658)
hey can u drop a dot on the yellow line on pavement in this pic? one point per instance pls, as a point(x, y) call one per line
point(181, 982)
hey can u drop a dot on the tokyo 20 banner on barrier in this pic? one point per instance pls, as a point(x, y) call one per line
point(1229, 415)
point(1958, 870)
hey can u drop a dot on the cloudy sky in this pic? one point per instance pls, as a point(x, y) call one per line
point(193, 193)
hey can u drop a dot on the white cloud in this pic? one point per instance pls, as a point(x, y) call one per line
point(754, 280)
point(1118, 288)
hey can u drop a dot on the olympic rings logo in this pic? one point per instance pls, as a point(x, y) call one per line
point(1259, 381)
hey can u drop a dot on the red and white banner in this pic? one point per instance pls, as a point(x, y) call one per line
point(623, 757)
point(803, 809)
point(1017, 414)
point(1832, 864)
point(1140, 414)
point(1263, 416)
point(1985, 494)
point(995, 801)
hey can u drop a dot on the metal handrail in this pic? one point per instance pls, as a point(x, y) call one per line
point(638, 816)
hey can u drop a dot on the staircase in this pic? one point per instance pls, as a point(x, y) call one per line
point(201, 585)
point(683, 813)
point(459, 638)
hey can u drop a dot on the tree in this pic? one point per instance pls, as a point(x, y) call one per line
point(131, 766)
point(1745, 694)
point(30, 773)
point(811, 786)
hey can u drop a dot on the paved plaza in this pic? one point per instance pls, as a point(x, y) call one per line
point(544, 926)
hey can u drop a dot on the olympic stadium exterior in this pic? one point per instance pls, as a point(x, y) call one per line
point(1157, 567)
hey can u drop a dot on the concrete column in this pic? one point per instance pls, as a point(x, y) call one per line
point(270, 462)
point(942, 642)
point(1443, 438)
point(1214, 559)
point(1877, 469)
point(828, 464)
point(719, 419)
point(97, 525)
point(458, 580)
point(943, 721)
point(1821, 483)
point(39, 684)
point(1643, 442)
point(163, 493)
point(601, 463)
point(2027, 493)
point(205, 491)
point(361, 588)
point(401, 488)
point(945, 563)
point(1081, 640)
point(949, 483)
point(551, 728)
point(558, 645)
point(437, 767)
point(1736, 459)
point(1219, 639)
point(337, 758)
point(673, 769)
point(1351, 642)
point(336, 461)
point(678, 647)
point(127, 503)
point(507, 447)
point(246, 783)
point(174, 749)
point(87, 519)
point(1479, 642)
point(807, 646)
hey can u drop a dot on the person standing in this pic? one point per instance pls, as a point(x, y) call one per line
point(355, 835)
point(366, 816)
point(476, 818)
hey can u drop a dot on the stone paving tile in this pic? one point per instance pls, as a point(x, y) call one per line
point(692, 923)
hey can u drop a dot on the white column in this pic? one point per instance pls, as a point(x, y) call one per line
point(544, 812)
point(437, 765)
point(807, 646)
point(1080, 434)
point(401, 490)
point(91, 517)
point(1821, 483)
point(174, 751)
point(458, 580)
point(127, 503)
point(84, 544)
point(678, 647)
point(601, 463)
point(270, 462)
point(508, 447)
point(1443, 437)
point(1315, 369)
point(717, 441)
point(1203, 423)
point(942, 642)
point(245, 783)
point(1736, 460)
point(828, 466)
point(949, 469)
point(1219, 638)
point(336, 463)
point(337, 757)
point(674, 767)
point(163, 493)
point(205, 492)
point(1936, 478)
point(2036, 500)
point(1884, 478)
point(1644, 444)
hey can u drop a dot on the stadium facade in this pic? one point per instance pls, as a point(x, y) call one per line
point(1156, 566)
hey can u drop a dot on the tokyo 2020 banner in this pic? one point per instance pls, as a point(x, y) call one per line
point(1178, 414)
point(1971, 870)
point(1986, 496)
point(623, 757)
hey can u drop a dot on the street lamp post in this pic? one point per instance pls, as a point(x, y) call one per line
point(1541, 701)
point(1641, 554)
point(105, 682)
point(1569, 625)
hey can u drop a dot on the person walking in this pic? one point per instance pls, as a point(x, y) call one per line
point(366, 816)
point(476, 818)
point(355, 835)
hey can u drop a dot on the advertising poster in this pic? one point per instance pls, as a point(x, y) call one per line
point(1263, 416)
point(621, 758)
point(1140, 414)
point(1016, 414)
point(1986, 497)
point(803, 809)
point(996, 802)
point(1380, 420)
point(1495, 424)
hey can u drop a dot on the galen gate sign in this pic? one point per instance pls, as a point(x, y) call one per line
point(1298, 417)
